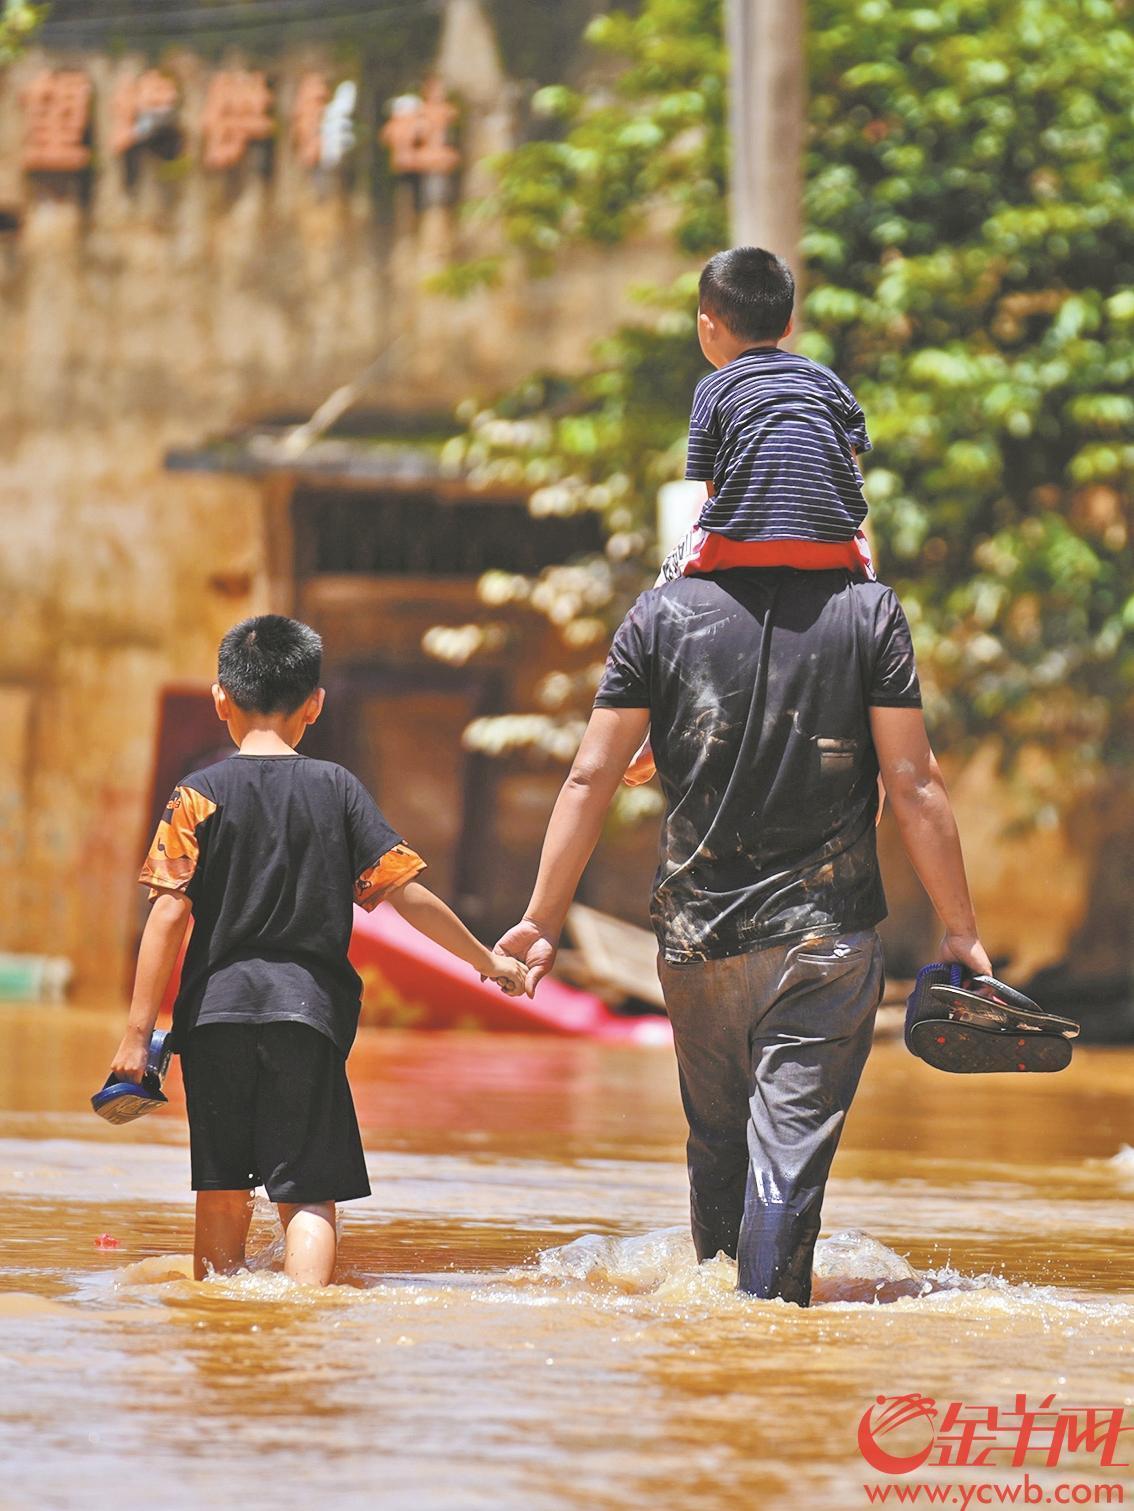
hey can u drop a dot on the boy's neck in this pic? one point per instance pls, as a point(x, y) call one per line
point(266, 734)
point(735, 347)
point(264, 742)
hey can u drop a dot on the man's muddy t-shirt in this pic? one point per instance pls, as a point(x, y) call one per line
point(759, 685)
point(273, 851)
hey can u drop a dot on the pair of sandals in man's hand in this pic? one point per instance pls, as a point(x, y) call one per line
point(968, 1024)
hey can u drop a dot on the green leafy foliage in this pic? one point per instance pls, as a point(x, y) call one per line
point(969, 243)
point(18, 23)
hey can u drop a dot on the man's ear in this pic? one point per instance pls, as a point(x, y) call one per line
point(221, 703)
point(314, 705)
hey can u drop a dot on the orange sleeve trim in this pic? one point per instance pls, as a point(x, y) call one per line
point(174, 853)
point(397, 866)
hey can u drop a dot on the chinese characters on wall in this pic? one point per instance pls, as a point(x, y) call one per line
point(56, 107)
point(239, 109)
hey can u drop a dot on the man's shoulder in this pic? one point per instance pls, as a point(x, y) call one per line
point(867, 599)
point(722, 587)
point(874, 610)
point(875, 596)
point(675, 601)
point(677, 590)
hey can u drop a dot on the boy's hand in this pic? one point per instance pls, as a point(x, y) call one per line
point(509, 974)
point(129, 1062)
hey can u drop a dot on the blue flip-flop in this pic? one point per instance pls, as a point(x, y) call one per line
point(978, 1025)
point(123, 1101)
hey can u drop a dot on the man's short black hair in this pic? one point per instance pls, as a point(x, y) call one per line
point(749, 290)
point(270, 664)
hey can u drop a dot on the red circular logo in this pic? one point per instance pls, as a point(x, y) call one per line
point(887, 1414)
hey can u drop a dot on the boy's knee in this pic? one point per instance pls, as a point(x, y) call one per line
point(234, 1201)
point(323, 1209)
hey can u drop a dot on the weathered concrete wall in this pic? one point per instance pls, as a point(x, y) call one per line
point(144, 315)
point(155, 314)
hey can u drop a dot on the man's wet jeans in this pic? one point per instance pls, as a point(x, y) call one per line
point(770, 1048)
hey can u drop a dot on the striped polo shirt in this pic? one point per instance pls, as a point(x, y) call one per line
point(773, 431)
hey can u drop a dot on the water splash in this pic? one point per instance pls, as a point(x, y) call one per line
point(633, 1265)
point(1122, 1164)
point(258, 1279)
point(851, 1267)
point(159, 1269)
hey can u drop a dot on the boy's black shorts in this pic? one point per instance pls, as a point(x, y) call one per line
point(269, 1105)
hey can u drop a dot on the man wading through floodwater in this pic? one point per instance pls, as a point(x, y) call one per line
point(774, 697)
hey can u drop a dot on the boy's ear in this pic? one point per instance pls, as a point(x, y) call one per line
point(706, 322)
point(221, 703)
point(788, 328)
point(314, 705)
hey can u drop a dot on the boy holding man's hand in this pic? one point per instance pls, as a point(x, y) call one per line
point(268, 851)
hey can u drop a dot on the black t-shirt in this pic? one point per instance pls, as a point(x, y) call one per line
point(273, 851)
point(759, 684)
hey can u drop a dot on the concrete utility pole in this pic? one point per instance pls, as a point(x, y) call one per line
point(767, 115)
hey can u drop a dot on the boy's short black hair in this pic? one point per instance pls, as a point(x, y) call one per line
point(751, 291)
point(270, 664)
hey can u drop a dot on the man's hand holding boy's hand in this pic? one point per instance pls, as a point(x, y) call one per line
point(510, 975)
point(533, 947)
point(129, 1062)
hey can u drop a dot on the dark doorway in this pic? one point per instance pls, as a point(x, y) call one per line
point(399, 730)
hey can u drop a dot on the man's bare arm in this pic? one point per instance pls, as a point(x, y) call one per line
point(611, 738)
point(924, 815)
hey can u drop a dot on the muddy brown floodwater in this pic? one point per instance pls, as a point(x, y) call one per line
point(519, 1323)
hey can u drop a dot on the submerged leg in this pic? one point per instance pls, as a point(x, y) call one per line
point(312, 1242)
point(221, 1231)
point(708, 1006)
point(808, 1052)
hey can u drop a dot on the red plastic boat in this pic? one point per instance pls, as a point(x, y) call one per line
point(410, 982)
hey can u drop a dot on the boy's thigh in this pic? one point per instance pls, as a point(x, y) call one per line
point(219, 1071)
point(307, 1142)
